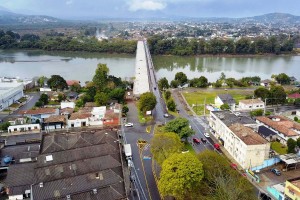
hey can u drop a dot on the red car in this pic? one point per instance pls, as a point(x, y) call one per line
point(233, 166)
point(217, 146)
point(196, 140)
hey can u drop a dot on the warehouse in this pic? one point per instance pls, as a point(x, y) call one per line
point(10, 93)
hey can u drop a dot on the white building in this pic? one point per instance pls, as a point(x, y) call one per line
point(141, 82)
point(245, 145)
point(251, 104)
point(66, 104)
point(225, 99)
point(24, 128)
point(10, 92)
point(98, 112)
point(79, 120)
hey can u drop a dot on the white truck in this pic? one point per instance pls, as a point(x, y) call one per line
point(128, 152)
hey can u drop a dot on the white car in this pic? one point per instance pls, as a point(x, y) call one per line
point(206, 134)
point(129, 124)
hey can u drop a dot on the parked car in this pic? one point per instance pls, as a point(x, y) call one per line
point(263, 196)
point(233, 166)
point(166, 115)
point(276, 171)
point(206, 135)
point(129, 124)
point(203, 140)
point(217, 146)
point(196, 140)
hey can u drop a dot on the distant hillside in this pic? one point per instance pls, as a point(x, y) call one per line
point(8, 18)
point(278, 18)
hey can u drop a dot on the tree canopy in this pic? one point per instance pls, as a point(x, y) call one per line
point(57, 82)
point(181, 78)
point(181, 176)
point(163, 83)
point(147, 102)
point(179, 126)
point(101, 77)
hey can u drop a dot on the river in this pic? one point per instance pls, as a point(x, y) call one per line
point(81, 66)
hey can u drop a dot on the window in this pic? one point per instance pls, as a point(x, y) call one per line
point(35, 127)
point(15, 129)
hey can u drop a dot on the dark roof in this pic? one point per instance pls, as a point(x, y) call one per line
point(226, 98)
point(265, 131)
point(292, 78)
point(229, 118)
point(23, 138)
point(20, 177)
point(72, 94)
point(21, 151)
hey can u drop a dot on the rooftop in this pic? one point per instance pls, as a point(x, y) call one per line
point(79, 115)
point(281, 124)
point(56, 118)
point(294, 96)
point(251, 101)
point(21, 139)
point(247, 135)
point(229, 118)
point(38, 111)
point(226, 98)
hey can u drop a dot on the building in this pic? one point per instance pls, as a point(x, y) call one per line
point(225, 99)
point(141, 82)
point(283, 126)
point(54, 122)
point(74, 165)
point(79, 120)
point(10, 92)
point(24, 128)
point(244, 144)
point(40, 114)
point(266, 83)
point(251, 104)
point(66, 104)
point(292, 189)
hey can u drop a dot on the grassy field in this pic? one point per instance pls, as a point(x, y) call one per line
point(279, 148)
point(208, 96)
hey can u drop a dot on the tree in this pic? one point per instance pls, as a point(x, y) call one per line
point(262, 93)
point(163, 83)
point(296, 119)
point(4, 126)
point(181, 78)
point(125, 110)
point(38, 104)
point(298, 142)
point(164, 145)
point(181, 176)
point(41, 81)
point(171, 105)
point(186, 132)
point(57, 82)
point(220, 181)
point(101, 98)
point(283, 79)
point(76, 87)
point(277, 94)
point(44, 99)
point(291, 145)
point(101, 77)
point(258, 112)
point(225, 106)
point(174, 83)
point(147, 102)
point(218, 84)
point(167, 94)
point(222, 76)
point(179, 126)
point(117, 94)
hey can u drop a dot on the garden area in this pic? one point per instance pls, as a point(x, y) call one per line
point(279, 148)
point(207, 96)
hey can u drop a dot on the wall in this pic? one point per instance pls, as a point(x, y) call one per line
point(296, 195)
point(24, 128)
point(67, 105)
point(254, 106)
point(266, 163)
point(78, 122)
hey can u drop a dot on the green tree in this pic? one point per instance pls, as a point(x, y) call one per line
point(101, 98)
point(163, 83)
point(174, 84)
point(101, 77)
point(41, 81)
point(125, 110)
point(164, 145)
point(297, 102)
point(57, 82)
point(167, 94)
point(117, 94)
point(181, 176)
point(76, 87)
point(90, 92)
point(277, 94)
point(38, 104)
point(283, 79)
point(181, 78)
point(179, 126)
point(147, 102)
point(218, 84)
point(222, 76)
point(171, 105)
point(225, 106)
point(258, 112)
point(4, 126)
point(291, 145)
point(296, 119)
point(44, 99)
point(262, 93)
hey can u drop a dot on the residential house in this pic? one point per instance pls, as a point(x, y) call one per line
point(62, 163)
point(40, 114)
point(72, 96)
point(266, 83)
point(79, 119)
point(116, 107)
point(293, 80)
point(54, 122)
point(24, 128)
point(251, 104)
point(72, 82)
point(292, 189)
point(98, 113)
point(225, 99)
point(241, 141)
point(293, 97)
point(67, 104)
point(111, 118)
point(283, 126)
point(66, 111)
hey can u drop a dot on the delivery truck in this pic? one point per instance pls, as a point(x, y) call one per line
point(127, 151)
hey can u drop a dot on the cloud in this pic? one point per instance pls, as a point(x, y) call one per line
point(135, 5)
point(69, 2)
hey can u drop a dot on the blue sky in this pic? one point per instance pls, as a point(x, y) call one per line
point(159, 8)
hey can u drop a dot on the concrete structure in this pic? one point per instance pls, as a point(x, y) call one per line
point(10, 92)
point(141, 82)
point(251, 104)
point(79, 120)
point(292, 189)
point(24, 128)
point(283, 126)
point(245, 145)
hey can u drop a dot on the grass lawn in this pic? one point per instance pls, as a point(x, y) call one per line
point(14, 105)
point(279, 148)
point(188, 146)
point(197, 98)
point(158, 129)
point(144, 119)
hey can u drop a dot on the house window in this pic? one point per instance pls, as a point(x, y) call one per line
point(29, 128)
point(35, 127)
point(15, 129)
point(250, 106)
point(72, 125)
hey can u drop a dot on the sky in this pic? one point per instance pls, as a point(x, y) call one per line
point(78, 9)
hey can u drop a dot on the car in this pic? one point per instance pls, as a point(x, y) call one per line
point(234, 166)
point(206, 135)
point(276, 171)
point(264, 196)
point(166, 115)
point(196, 140)
point(203, 140)
point(129, 124)
point(154, 88)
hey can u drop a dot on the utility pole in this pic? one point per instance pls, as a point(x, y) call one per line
point(265, 106)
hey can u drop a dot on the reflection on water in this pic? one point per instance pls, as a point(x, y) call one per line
point(236, 67)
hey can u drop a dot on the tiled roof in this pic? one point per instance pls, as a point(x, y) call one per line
point(21, 151)
point(72, 82)
point(251, 101)
point(78, 115)
point(294, 96)
point(67, 111)
point(229, 118)
point(247, 135)
point(38, 111)
point(56, 118)
point(284, 125)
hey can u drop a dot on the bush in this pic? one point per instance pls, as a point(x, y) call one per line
point(256, 113)
point(39, 104)
point(171, 105)
point(167, 94)
point(296, 119)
